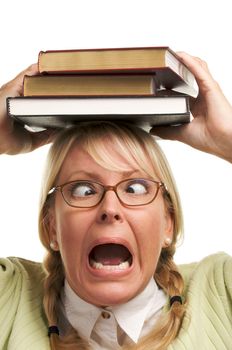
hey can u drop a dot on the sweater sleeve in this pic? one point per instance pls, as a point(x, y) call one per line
point(22, 322)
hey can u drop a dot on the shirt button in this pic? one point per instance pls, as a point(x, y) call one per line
point(105, 315)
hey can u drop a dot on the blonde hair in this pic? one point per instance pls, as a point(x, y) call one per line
point(136, 146)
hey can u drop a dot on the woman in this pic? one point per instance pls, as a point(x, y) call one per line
point(110, 218)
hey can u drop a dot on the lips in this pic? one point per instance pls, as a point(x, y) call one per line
point(110, 256)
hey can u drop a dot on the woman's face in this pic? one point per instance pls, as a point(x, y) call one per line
point(134, 234)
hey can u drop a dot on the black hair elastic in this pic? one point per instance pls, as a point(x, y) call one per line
point(53, 330)
point(175, 298)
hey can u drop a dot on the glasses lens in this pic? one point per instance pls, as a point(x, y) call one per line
point(137, 191)
point(82, 193)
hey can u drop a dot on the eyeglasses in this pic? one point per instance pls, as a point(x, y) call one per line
point(88, 194)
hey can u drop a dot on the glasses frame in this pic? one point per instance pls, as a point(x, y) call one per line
point(107, 188)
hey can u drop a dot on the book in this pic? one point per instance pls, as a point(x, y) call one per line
point(60, 112)
point(169, 71)
point(81, 85)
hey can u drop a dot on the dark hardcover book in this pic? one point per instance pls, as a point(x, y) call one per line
point(63, 112)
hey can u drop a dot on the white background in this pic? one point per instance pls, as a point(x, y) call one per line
point(202, 28)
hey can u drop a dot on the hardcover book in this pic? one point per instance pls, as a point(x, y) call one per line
point(81, 85)
point(64, 112)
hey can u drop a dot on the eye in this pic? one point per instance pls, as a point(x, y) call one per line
point(81, 189)
point(137, 187)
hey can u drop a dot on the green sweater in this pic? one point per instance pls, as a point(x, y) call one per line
point(207, 324)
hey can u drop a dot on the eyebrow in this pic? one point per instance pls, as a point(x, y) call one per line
point(95, 176)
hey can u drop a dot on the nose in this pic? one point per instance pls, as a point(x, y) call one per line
point(110, 208)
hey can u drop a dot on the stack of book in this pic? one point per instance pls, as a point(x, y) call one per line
point(147, 85)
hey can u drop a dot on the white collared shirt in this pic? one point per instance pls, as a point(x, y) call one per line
point(112, 327)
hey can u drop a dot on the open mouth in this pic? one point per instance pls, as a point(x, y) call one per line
point(110, 256)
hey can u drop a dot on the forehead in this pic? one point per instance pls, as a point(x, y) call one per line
point(108, 159)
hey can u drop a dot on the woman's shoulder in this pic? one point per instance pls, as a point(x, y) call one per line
point(209, 279)
point(214, 264)
point(14, 269)
point(21, 312)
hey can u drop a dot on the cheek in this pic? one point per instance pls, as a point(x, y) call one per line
point(149, 224)
point(71, 230)
point(149, 228)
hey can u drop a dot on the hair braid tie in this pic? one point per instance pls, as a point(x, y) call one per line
point(175, 298)
point(53, 330)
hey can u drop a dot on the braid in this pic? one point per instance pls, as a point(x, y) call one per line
point(53, 284)
point(167, 275)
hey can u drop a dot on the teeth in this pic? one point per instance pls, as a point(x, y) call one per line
point(99, 266)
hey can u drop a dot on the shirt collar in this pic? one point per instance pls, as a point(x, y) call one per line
point(80, 314)
point(130, 316)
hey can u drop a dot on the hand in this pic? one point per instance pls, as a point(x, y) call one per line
point(211, 129)
point(14, 138)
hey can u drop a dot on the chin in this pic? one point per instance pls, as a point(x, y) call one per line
point(112, 294)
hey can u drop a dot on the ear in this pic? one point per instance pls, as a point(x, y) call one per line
point(52, 230)
point(168, 229)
